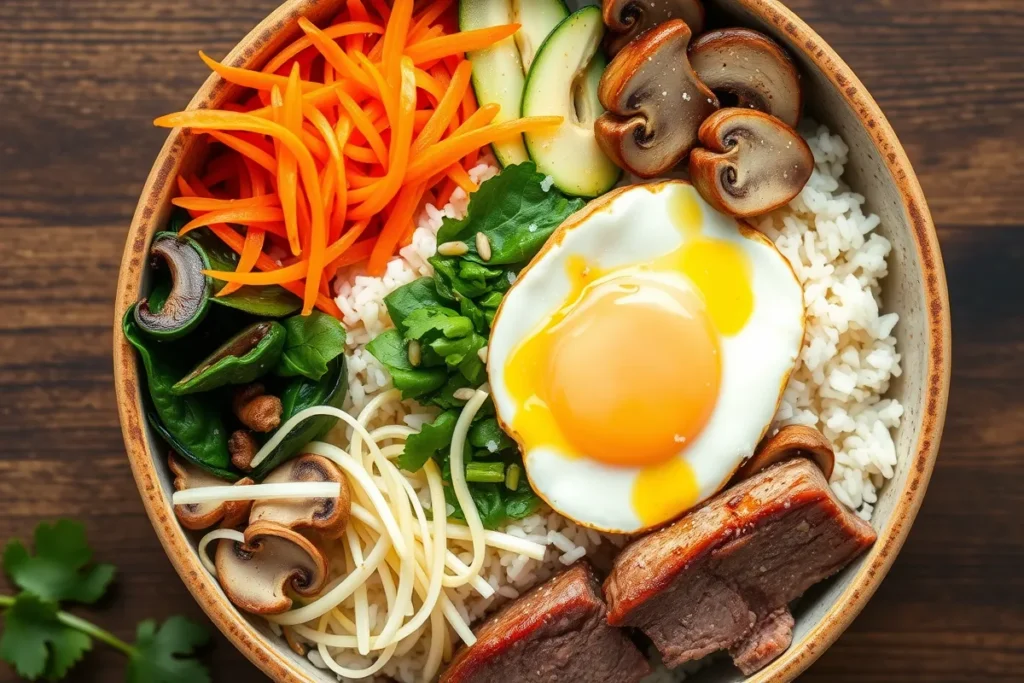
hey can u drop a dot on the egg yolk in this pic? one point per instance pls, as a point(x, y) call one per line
point(627, 373)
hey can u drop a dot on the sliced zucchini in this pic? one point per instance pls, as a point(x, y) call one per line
point(499, 72)
point(563, 81)
point(536, 19)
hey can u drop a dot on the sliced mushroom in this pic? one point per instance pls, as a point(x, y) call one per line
point(751, 162)
point(257, 575)
point(325, 515)
point(628, 19)
point(793, 441)
point(655, 102)
point(188, 300)
point(204, 515)
point(747, 69)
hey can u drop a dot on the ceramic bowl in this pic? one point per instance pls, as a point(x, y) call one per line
point(915, 288)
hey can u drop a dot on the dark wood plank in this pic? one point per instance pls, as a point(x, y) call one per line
point(81, 81)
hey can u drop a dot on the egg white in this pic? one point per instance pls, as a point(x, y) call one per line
point(628, 227)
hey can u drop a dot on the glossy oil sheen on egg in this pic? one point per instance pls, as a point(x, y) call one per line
point(641, 356)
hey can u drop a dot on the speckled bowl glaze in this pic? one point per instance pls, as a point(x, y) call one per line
point(916, 289)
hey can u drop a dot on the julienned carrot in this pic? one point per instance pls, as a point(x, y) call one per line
point(252, 247)
point(245, 148)
point(449, 151)
point(336, 166)
point(357, 253)
point(388, 95)
point(321, 97)
point(381, 8)
point(447, 105)
point(317, 242)
point(429, 84)
point(427, 17)
point(358, 12)
point(333, 53)
point(363, 155)
point(461, 178)
point(395, 227)
point(342, 131)
point(243, 216)
point(458, 43)
point(214, 204)
point(252, 79)
point(395, 34)
point(287, 176)
point(225, 120)
point(335, 31)
point(481, 117)
point(401, 140)
point(296, 271)
point(363, 124)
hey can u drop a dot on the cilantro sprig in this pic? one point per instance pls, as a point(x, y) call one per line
point(40, 639)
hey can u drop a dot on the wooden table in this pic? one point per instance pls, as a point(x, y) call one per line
point(81, 81)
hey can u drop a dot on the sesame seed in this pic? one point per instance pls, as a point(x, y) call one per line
point(483, 246)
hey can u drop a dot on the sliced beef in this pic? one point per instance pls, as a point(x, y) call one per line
point(557, 633)
point(722, 577)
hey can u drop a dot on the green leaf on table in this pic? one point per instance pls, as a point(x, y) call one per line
point(36, 643)
point(432, 438)
point(312, 342)
point(516, 214)
point(60, 569)
point(165, 655)
point(390, 349)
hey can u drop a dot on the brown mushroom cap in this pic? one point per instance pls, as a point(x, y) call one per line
point(199, 516)
point(751, 163)
point(655, 102)
point(326, 515)
point(628, 19)
point(257, 575)
point(750, 68)
point(793, 441)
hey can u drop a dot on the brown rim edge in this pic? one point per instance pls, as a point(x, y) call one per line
point(265, 654)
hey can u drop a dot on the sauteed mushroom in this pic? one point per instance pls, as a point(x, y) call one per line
point(792, 441)
point(188, 300)
point(655, 102)
point(258, 574)
point(628, 19)
point(751, 163)
point(204, 515)
point(748, 69)
point(326, 515)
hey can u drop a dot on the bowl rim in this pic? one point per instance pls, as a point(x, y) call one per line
point(269, 656)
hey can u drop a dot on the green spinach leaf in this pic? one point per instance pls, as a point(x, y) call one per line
point(421, 293)
point(488, 435)
point(515, 213)
point(433, 438)
point(192, 425)
point(312, 342)
point(390, 349)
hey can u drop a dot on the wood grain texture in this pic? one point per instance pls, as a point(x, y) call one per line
point(81, 81)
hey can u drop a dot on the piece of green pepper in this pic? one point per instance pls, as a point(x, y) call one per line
point(191, 425)
point(299, 394)
point(247, 356)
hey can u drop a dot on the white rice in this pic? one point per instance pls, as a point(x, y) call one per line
point(846, 364)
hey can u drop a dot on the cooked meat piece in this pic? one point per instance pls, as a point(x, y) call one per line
point(557, 633)
point(769, 638)
point(721, 578)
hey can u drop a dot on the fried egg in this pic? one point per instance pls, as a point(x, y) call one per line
point(642, 354)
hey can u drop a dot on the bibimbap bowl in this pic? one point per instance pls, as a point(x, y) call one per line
point(913, 288)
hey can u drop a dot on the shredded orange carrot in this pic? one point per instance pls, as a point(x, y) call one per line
point(363, 124)
point(214, 204)
point(454, 148)
point(348, 28)
point(458, 43)
point(461, 178)
point(385, 191)
point(448, 104)
point(243, 216)
point(345, 132)
point(252, 79)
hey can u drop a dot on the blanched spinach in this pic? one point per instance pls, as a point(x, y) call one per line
point(391, 350)
point(192, 425)
point(312, 342)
